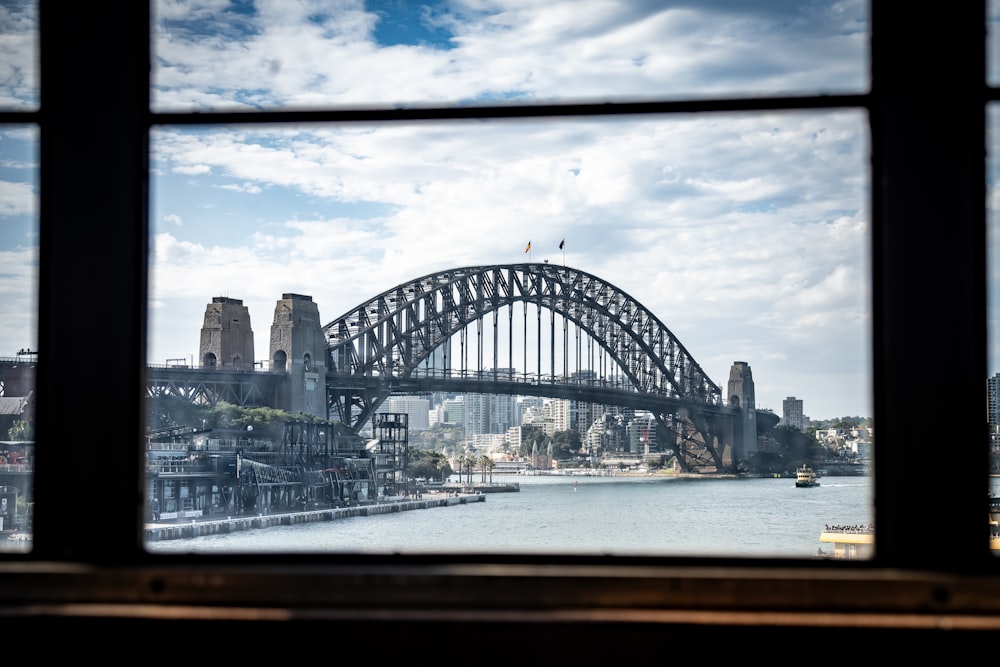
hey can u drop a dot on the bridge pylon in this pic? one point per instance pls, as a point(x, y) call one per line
point(741, 396)
point(298, 348)
point(226, 336)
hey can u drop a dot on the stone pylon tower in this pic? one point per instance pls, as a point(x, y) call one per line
point(226, 336)
point(741, 396)
point(298, 347)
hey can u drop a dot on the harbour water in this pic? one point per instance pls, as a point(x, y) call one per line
point(580, 515)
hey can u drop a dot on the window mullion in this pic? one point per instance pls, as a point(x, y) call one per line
point(92, 292)
point(928, 133)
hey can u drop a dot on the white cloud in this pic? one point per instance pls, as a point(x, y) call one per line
point(17, 199)
point(192, 169)
point(561, 49)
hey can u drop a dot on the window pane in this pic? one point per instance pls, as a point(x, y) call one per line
point(18, 55)
point(993, 315)
point(228, 55)
point(18, 330)
point(992, 42)
point(731, 249)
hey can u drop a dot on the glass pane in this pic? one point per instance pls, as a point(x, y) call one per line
point(18, 330)
point(18, 55)
point(609, 316)
point(993, 319)
point(238, 55)
point(992, 42)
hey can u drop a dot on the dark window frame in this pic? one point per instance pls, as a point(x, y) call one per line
point(927, 106)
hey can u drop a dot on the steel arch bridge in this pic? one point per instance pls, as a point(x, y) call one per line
point(403, 341)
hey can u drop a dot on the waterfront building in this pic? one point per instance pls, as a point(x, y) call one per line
point(641, 431)
point(492, 444)
point(550, 417)
point(515, 437)
point(541, 460)
point(608, 435)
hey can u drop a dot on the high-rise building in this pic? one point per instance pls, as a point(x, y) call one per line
point(993, 408)
point(791, 413)
point(417, 411)
point(454, 410)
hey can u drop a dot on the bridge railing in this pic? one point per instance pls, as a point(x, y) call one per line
point(19, 359)
point(258, 367)
point(613, 382)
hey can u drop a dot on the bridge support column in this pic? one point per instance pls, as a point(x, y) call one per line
point(741, 396)
point(298, 347)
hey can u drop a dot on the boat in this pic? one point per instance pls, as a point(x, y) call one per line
point(848, 542)
point(858, 542)
point(806, 476)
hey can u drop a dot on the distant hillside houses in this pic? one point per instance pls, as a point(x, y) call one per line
point(848, 443)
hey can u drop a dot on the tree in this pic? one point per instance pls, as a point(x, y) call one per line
point(428, 464)
point(791, 449)
point(175, 411)
point(466, 463)
point(565, 445)
point(21, 430)
point(485, 464)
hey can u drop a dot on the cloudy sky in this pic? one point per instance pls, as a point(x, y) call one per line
point(746, 234)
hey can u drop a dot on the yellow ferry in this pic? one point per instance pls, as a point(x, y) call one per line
point(858, 542)
point(806, 477)
point(848, 542)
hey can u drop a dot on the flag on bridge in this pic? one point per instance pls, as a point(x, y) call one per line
point(562, 243)
point(529, 247)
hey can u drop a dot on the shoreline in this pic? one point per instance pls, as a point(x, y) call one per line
point(199, 527)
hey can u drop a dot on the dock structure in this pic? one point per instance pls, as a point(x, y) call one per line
point(197, 527)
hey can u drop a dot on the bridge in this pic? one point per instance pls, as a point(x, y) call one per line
point(601, 346)
point(529, 329)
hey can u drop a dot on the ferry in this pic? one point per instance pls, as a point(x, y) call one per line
point(848, 542)
point(806, 477)
point(857, 542)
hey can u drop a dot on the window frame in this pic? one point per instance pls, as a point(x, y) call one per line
point(932, 557)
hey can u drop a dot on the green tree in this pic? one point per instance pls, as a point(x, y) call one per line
point(21, 430)
point(485, 464)
point(565, 445)
point(533, 437)
point(175, 411)
point(469, 464)
point(428, 464)
point(790, 449)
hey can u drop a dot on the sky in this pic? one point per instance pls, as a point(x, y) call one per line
point(747, 235)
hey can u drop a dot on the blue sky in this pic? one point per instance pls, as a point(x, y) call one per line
point(747, 235)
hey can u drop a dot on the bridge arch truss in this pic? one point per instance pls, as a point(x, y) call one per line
point(407, 336)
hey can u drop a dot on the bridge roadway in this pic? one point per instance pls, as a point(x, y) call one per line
point(603, 392)
point(257, 387)
point(265, 388)
point(211, 385)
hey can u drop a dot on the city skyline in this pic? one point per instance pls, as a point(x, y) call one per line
point(747, 234)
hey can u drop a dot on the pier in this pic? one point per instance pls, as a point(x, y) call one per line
point(154, 532)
